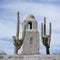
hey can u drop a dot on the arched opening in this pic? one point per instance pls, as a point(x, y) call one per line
point(29, 25)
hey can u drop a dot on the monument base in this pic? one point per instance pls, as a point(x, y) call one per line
point(30, 57)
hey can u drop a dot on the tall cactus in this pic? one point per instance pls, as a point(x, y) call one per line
point(18, 42)
point(46, 38)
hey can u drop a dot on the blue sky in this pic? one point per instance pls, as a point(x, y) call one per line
point(39, 8)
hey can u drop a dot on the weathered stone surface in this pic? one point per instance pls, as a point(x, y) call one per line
point(30, 57)
point(31, 40)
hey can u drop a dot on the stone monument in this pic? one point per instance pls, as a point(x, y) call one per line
point(31, 40)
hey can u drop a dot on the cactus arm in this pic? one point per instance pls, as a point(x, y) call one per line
point(44, 25)
point(15, 45)
point(23, 36)
point(14, 40)
point(17, 28)
point(41, 30)
point(49, 33)
point(50, 30)
point(20, 43)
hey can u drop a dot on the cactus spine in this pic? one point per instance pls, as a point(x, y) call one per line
point(46, 38)
point(18, 42)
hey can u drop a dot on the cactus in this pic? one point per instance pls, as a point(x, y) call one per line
point(46, 38)
point(18, 42)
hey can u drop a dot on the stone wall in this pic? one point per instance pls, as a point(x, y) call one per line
point(30, 57)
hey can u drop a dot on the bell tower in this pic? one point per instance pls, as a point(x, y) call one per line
point(31, 40)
